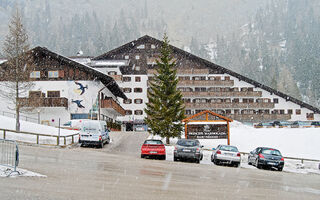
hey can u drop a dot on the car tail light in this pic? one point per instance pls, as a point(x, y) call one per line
point(198, 149)
point(219, 152)
point(261, 156)
point(100, 138)
point(238, 154)
point(282, 159)
point(175, 148)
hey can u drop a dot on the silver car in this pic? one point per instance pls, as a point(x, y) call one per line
point(188, 149)
point(226, 154)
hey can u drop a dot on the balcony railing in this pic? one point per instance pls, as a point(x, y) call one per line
point(44, 102)
point(185, 71)
point(230, 105)
point(223, 94)
point(255, 117)
point(112, 104)
point(206, 83)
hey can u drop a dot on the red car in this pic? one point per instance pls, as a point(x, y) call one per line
point(153, 148)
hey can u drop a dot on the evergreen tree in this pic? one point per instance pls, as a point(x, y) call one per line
point(165, 108)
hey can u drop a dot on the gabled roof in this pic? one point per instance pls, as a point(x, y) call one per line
point(108, 81)
point(207, 112)
point(130, 46)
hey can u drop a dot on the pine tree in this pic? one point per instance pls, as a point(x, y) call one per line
point(16, 70)
point(165, 108)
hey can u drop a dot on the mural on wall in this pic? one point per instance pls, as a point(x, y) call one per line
point(81, 88)
point(78, 102)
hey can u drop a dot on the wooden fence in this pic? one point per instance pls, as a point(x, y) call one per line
point(6, 133)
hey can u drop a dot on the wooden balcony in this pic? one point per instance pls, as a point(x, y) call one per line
point(223, 94)
point(185, 71)
point(44, 102)
point(231, 105)
point(206, 83)
point(256, 117)
point(111, 104)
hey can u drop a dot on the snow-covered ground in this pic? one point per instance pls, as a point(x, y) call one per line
point(8, 172)
point(9, 123)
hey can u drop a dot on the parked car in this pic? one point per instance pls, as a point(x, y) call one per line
point(281, 124)
point(226, 154)
point(94, 132)
point(266, 157)
point(264, 125)
point(188, 149)
point(153, 148)
point(315, 124)
point(301, 124)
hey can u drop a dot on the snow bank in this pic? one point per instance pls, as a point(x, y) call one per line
point(9, 123)
point(8, 172)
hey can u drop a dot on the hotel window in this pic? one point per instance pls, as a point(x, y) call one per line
point(137, 68)
point(34, 94)
point(228, 111)
point(138, 90)
point(298, 112)
point(250, 89)
point(112, 73)
point(138, 101)
point(275, 100)
point(236, 111)
point(227, 78)
point(137, 57)
point(282, 112)
point(126, 79)
point(53, 94)
point(235, 100)
point(138, 112)
point(138, 79)
point(188, 112)
point(142, 46)
point(290, 111)
point(153, 46)
point(128, 112)
point(310, 116)
point(251, 100)
point(53, 74)
point(127, 90)
point(35, 74)
point(244, 89)
point(127, 101)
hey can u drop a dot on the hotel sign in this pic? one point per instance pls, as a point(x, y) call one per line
point(207, 131)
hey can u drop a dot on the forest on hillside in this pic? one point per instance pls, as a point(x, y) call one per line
point(275, 42)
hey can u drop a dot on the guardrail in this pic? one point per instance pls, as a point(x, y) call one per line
point(292, 158)
point(22, 117)
point(37, 137)
point(9, 154)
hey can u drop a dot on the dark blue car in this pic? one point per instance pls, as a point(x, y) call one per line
point(266, 157)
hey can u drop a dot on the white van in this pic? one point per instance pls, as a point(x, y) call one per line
point(94, 132)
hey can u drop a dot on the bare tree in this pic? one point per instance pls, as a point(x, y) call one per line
point(15, 72)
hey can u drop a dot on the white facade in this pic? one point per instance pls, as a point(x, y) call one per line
point(72, 93)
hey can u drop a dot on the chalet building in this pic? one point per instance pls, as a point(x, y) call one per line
point(66, 89)
point(204, 85)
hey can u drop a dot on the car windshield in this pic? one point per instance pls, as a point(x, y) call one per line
point(67, 123)
point(153, 142)
point(187, 143)
point(229, 148)
point(271, 152)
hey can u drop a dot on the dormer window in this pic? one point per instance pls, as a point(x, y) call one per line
point(142, 46)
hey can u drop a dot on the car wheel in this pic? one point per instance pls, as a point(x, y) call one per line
point(108, 141)
point(249, 163)
point(257, 164)
point(163, 157)
point(280, 169)
point(142, 156)
point(101, 145)
point(197, 160)
point(236, 164)
point(175, 158)
point(215, 161)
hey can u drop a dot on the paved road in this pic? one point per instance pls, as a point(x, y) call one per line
point(117, 172)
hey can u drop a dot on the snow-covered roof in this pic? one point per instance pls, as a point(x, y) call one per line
point(109, 63)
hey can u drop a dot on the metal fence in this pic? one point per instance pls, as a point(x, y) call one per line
point(9, 154)
point(22, 117)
